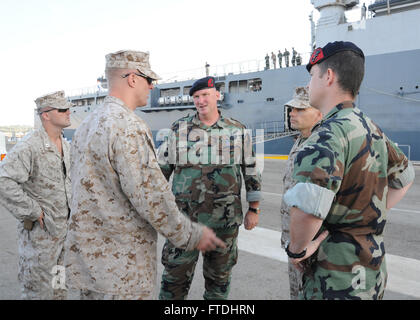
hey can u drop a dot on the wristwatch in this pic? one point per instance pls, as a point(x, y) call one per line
point(255, 210)
point(294, 255)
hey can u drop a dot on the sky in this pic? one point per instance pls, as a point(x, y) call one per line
point(50, 45)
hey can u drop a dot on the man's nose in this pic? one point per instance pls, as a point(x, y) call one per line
point(201, 99)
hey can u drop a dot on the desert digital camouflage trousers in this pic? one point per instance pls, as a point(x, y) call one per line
point(92, 295)
point(295, 281)
point(41, 271)
point(217, 268)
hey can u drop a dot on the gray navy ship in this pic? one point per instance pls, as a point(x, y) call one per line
point(389, 35)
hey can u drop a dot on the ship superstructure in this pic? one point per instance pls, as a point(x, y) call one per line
point(390, 94)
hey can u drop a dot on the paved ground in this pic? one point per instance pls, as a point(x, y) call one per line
point(261, 272)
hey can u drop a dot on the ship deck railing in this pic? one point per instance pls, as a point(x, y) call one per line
point(247, 66)
point(269, 130)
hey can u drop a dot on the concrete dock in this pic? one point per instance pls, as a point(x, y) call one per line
point(261, 272)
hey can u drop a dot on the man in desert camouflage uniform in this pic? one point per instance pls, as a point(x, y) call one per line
point(302, 118)
point(348, 174)
point(207, 153)
point(273, 58)
point(121, 197)
point(35, 188)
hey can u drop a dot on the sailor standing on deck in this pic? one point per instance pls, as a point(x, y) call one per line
point(302, 118)
point(35, 188)
point(273, 58)
point(286, 55)
point(121, 197)
point(363, 10)
point(294, 53)
point(267, 62)
point(348, 175)
point(280, 56)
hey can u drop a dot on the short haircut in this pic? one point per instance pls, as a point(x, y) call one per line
point(114, 74)
point(349, 68)
point(111, 72)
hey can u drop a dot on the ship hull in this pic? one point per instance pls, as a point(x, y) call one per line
point(389, 95)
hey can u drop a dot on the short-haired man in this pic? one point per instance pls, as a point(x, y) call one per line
point(121, 197)
point(207, 153)
point(348, 174)
point(35, 188)
point(302, 118)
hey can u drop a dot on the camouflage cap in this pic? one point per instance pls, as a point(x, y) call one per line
point(300, 99)
point(56, 100)
point(128, 59)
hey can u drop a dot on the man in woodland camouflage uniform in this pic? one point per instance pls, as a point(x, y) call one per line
point(280, 56)
point(302, 118)
point(267, 62)
point(294, 53)
point(121, 197)
point(298, 60)
point(348, 174)
point(207, 153)
point(286, 55)
point(273, 58)
point(35, 188)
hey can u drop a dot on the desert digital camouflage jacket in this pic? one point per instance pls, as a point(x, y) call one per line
point(288, 183)
point(35, 178)
point(344, 171)
point(207, 162)
point(120, 200)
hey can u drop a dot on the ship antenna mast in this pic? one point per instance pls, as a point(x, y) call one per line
point(311, 19)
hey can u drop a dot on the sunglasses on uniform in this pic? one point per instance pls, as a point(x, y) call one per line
point(148, 79)
point(59, 110)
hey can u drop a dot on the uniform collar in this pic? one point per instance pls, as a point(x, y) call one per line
point(115, 100)
point(338, 108)
point(219, 123)
point(47, 143)
point(341, 106)
point(45, 138)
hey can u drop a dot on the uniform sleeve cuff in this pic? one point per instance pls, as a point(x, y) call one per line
point(35, 214)
point(404, 178)
point(408, 175)
point(252, 196)
point(196, 234)
point(310, 198)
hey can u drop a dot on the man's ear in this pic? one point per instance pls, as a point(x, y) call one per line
point(131, 80)
point(44, 116)
point(331, 76)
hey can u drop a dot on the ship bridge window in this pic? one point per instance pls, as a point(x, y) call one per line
point(242, 86)
point(238, 86)
point(220, 86)
point(254, 85)
point(170, 92)
point(187, 90)
point(100, 100)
